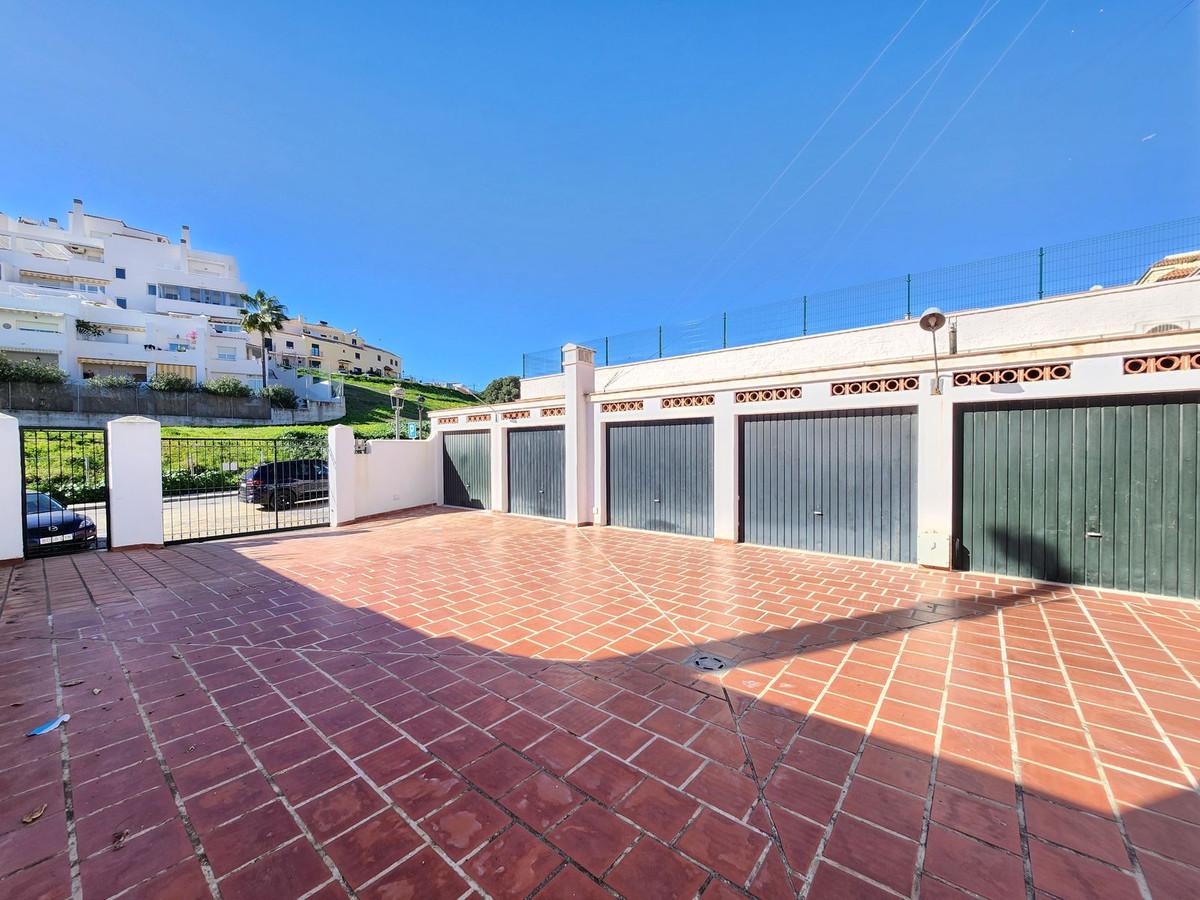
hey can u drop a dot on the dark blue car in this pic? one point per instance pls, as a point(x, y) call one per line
point(51, 527)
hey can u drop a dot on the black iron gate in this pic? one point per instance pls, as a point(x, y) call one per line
point(222, 487)
point(65, 474)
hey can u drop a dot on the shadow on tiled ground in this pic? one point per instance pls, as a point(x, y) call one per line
point(456, 703)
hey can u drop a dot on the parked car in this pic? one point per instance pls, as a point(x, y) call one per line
point(281, 485)
point(51, 527)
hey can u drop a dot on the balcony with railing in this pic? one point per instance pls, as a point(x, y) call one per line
point(108, 337)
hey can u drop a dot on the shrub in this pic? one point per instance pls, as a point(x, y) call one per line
point(68, 490)
point(502, 390)
point(200, 479)
point(30, 372)
point(122, 382)
point(227, 386)
point(303, 445)
point(170, 382)
point(281, 397)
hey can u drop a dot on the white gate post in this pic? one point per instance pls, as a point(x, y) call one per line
point(12, 499)
point(579, 380)
point(343, 477)
point(135, 495)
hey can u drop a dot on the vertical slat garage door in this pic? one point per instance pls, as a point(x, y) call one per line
point(660, 476)
point(536, 472)
point(836, 482)
point(467, 469)
point(1101, 492)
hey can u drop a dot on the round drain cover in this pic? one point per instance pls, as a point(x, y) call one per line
point(706, 662)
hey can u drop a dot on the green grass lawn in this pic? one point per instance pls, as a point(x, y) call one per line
point(368, 411)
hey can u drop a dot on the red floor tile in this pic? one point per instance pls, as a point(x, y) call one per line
point(425, 722)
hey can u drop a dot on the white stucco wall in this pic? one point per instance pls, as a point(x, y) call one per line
point(543, 387)
point(1074, 319)
point(396, 475)
point(12, 525)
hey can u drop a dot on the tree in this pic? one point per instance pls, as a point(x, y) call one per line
point(262, 314)
point(504, 389)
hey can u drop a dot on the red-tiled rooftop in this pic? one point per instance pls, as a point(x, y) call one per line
point(460, 704)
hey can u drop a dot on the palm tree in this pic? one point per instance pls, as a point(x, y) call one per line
point(263, 314)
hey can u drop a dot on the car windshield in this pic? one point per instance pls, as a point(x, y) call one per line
point(40, 503)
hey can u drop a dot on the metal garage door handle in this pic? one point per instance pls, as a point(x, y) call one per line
point(541, 492)
point(656, 500)
point(1094, 534)
point(817, 512)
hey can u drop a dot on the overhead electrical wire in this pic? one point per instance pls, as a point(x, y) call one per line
point(795, 158)
point(933, 142)
point(886, 155)
point(816, 181)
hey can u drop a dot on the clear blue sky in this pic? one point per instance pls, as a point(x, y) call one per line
point(467, 181)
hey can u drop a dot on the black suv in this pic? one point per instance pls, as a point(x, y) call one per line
point(281, 485)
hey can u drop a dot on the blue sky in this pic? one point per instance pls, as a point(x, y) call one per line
point(467, 181)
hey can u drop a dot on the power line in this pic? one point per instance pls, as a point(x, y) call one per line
point(887, 153)
point(812, 137)
point(953, 117)
point(951, 48)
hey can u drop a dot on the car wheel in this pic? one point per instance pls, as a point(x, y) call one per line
point(282, 500)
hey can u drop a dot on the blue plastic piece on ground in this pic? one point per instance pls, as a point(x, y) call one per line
point(51, 725)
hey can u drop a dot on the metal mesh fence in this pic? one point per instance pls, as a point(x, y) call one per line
point(1025, 276)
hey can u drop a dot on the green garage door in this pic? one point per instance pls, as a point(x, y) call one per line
point(1100, 492)
point(467, 469)
point(836, 482)
point(537, 460)
point(660, 476)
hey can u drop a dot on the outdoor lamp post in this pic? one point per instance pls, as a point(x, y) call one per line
point(420, 399)
point(397, 396)
point(932, 321)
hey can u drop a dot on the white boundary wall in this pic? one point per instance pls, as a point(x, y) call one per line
point(1094, 332)
point(390, 476)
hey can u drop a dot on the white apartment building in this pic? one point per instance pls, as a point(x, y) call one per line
point(99, 297)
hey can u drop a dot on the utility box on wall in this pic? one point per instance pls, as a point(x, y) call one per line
point(933, 549)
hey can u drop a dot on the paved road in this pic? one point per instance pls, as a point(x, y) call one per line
point(194, 516)
point(207, 515)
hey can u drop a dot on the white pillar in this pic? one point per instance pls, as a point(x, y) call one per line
point(725, 466)
point(599, 464)
point(498, 465)
point(343, 477)
point(135, 497)
point(935, 476)
point(579, 380)
point(12, 526)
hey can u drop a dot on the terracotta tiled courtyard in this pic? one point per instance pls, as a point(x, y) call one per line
point(460, 704)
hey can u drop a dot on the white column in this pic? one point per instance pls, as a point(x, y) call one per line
point(135, 498)
point(579, 380)
point(498, 463)
point(599, 465)
point(437, 460)
point(12, 525)
point(725, 469)
point(935, 476)
point(343, 478)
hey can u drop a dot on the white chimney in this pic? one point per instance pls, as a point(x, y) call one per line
point(185, 234)
point(76, 217)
